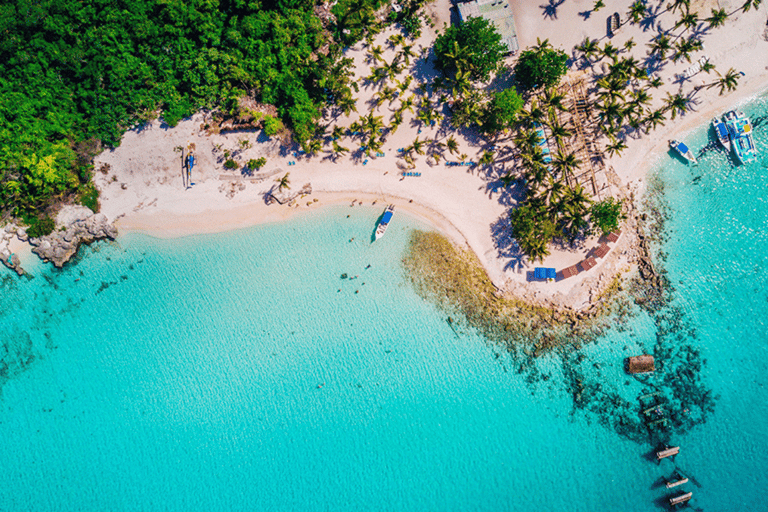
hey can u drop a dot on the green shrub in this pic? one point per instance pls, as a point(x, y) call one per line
point(40, 226)
point(230, 164)
point(607, 214)
point(541, 66)
point(257, 163)
point(272, 126)
point(89, 197)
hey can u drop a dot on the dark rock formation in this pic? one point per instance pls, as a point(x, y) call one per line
point(75, 225)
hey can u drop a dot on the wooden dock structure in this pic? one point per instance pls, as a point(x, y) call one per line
point(667, 452)
point(682, 498)
point(675, 483)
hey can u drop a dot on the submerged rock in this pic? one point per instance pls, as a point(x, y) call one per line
point(75, 225)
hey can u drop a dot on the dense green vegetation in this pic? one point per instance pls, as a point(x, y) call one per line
point(540, 66)
point(473, 46)
point(607, 214)
point(75, 75)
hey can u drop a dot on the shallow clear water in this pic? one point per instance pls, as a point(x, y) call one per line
point(240, 372)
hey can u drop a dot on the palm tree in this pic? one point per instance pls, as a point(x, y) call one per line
point(616, 147)
point(387, 93)
point(337, 133)
point(462, 82)
point(689, 20)
point(637, 11)
point(392, 69)
point(338, 149)
point(407, 104)
point(609, 51)
point(640, 97)
point(654, 118)
point(588, 48)
point(375, 53)
point(679, 4)
point(610, 89)
point(717, 19)
point(347, 104)
point(371, 124)
point(629, 44)
point(406, 53)
point(574, 207)
point(655, 82)
point(417, 146)
point(526, 140)
point(553, 100)
point(707, 67)
point(507, 179)
point(729, 81)
point(284, 182)
point(560, 132)
point(533, 115)
point(661, 45)
point(396, 40)
point(452, 145)
point(459, 56)
point(684, 49)
point(676, 103)
point(750, 4)
point(314, 146)
point(487, 158)
point(553, 193)
point(403, 86)
point(566, 163)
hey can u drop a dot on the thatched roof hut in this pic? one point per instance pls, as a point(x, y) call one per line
point(640, 364)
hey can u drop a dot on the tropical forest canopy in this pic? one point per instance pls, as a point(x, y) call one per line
point(76, 74)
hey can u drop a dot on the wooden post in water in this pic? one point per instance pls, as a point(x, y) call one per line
point(682, 498)
point(668, 452)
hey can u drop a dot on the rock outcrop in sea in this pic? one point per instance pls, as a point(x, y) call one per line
point(75, 225)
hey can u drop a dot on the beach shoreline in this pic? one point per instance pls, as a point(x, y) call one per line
point(143, 188)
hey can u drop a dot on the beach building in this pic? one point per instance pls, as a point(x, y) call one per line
point(498, 13)
point(641, 364)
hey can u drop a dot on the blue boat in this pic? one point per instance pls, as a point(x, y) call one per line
point(721, 131)
point(682, 150)
point(740, 130)
point(382, 227)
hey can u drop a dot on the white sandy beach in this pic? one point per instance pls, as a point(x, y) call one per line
point(143, 189)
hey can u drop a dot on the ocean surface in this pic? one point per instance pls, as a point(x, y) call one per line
point(240, 371)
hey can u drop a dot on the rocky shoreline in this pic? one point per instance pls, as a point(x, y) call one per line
point(75, 225)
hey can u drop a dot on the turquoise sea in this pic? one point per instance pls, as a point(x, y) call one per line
point(239, 371)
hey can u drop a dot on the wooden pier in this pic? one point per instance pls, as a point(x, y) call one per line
point(682, 498)
point(682, 481)
point(667, 452)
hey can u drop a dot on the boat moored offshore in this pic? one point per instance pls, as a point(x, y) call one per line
point(721, 132)
point(682, 150)
point(385, 219)
point(740, 130)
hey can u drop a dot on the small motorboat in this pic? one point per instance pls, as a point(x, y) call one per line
point(382, 227)
point(721, 131)
point(682, 150)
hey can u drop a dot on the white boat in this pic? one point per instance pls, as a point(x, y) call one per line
point(382, 227)
point(683, 150)
point(721, 131)
point(740, 130)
